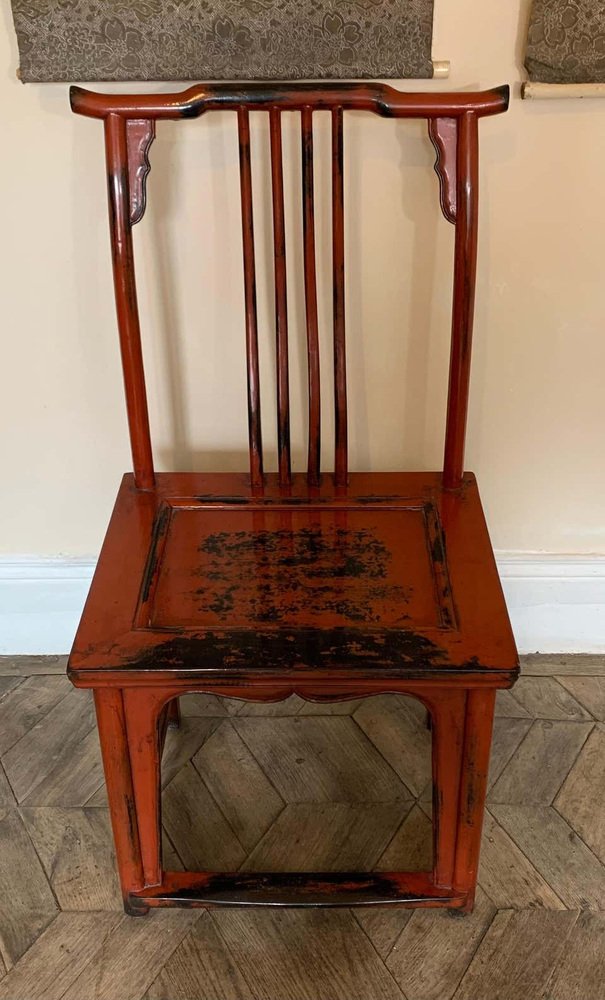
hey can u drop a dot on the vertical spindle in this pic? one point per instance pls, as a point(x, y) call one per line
point(338, 285)
point(281, 300)
point(252, 364)
point(313, 463)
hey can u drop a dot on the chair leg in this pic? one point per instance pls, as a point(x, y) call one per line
point(475, 766)
point(174, 714)
point(448, 715)
point(130, 723)
point(116, 762)
point(142, 708)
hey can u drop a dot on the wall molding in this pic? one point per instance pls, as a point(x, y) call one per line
point(556, 602)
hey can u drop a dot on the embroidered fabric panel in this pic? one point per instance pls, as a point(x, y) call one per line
point(566, 42)
point(86, 40)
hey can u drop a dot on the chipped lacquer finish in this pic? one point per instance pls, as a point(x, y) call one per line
point(330, 586)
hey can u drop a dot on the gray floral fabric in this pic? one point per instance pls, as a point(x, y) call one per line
point(223, 39)
point(566, 41)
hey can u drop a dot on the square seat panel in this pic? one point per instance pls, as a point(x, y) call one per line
point(204, 577)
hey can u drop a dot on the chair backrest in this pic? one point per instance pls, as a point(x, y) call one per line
point(453, 128)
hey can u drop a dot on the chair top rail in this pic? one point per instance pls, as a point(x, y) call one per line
point(376, 97)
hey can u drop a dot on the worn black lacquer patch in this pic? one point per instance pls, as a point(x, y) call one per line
point(281, 573)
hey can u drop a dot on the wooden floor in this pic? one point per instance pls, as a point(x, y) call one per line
point(304, 786)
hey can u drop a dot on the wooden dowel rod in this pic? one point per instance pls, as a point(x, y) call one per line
point(441, 69)
point(557, 91)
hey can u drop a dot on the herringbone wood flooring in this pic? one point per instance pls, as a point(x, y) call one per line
point(301, 786)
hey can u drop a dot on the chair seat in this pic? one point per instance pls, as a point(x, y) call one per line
point(203, 577)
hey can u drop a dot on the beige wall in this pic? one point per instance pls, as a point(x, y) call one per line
point(537, 419)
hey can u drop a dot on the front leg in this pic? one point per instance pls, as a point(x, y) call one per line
point(447, 711)
point(143, 709)
point(111, 723)
point(475, 766)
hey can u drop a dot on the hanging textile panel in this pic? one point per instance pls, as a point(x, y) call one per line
point(222, 39)
point(566, 42)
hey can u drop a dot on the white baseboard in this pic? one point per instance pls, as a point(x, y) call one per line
point(556, 603)
point(41, 601)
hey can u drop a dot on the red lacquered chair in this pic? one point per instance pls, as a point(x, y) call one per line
point(330, 585)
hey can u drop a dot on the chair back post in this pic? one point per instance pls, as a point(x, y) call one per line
point(120, 215)
point(465, 270)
